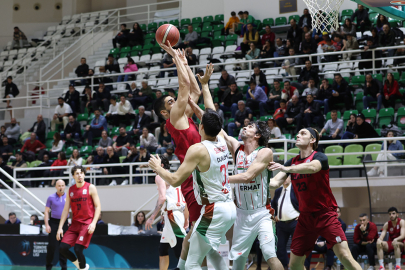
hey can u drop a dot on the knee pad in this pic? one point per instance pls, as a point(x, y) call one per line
point(164, 249)
point(269, 250)
point(63, 247)
point(79, 249)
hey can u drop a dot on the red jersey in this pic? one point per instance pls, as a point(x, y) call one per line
point(184, 139)
point(81, 203)
point(313, 190)
point(279, 115)
point(394, 232)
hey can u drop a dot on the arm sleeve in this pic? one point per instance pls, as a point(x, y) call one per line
point(340, 127)
point(323, 159)
point(48, 203)
point(288, 163)
point(326, 127)
point(373, 232)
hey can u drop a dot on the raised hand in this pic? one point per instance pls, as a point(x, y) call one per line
point(208, 72)
point(182, 56)
point(169, 49)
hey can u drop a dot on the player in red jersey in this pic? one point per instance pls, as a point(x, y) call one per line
point(185, 133)
point(86, 208)
point(396, 235)
point(310, 179)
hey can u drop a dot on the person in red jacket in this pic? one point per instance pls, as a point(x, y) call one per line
point(61, 161)
point(33, 144)
point(365, 239)
point(391, 91)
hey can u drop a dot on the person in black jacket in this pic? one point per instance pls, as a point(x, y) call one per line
point(72, 130)
point(39, 128)
point(89, 99)
point(373, 91)
point(312, 112)
point(141, 120)
point(72, 97)
point(191, 58)
point(361, 15)
point(324, 94)
point(341, 93)
point(135, 37)
point(103, 97)
point(286, 213)
point(122, 36)
point(10, 91)
point(230, 98)
point(260, 79)
point(82, 71)
point(225, 81)
point(387, 39)
point(295, 34)
point(293, 115)
point(112, 158)
point(305, 19)
point(362, 129)
point(368, 54)
point(112, 65)
point(309, 42)
point(306, 73)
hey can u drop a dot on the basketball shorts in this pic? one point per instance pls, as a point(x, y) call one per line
point(391, 247)
point(215, 220)
point(78, 233)
point(174, 227)
point(248, 225)
point(310, 226)
point(194, 209)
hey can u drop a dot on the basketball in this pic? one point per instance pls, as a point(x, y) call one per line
point(167, 32)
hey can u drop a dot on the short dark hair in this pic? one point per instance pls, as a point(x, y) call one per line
point(338, 74)
point(253, 82)
point(333, 111)
point(311, 79)
point(60, 98)
point(283, 101)
point(212, 122)
point(160, 105)
point(165, 162)
point(78, 167)
point(96, 109)
point(246, 12)
point(83, 58)
point(110, 55)
point(62, 155)
point(124, 24)
point(240, 12)
point(233, 13)
point(263, 130)
point(11, 214)
point(392, 209)
point(293, 20)
point(9, 77)
point(363, 215)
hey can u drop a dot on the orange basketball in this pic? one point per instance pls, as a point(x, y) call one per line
point(167, 32)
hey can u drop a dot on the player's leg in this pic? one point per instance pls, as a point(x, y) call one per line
point(164, 256)
point(342, 251)
point(184, 251)
point(297, 262)
point(398, 247)
point(80, 256)
point(216, 260)
point(382, 246)
point(197, 251)
point(64, 250)
point(267, 240)
point(68, 240)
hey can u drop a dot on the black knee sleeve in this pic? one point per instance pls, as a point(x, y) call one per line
point(80, 256)
point(164, 249)
point(64, 250)
point(178, 247)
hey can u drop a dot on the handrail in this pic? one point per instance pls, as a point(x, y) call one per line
point(134, 213)
point(14, 202)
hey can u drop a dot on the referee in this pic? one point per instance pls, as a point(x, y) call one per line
point(55, 203)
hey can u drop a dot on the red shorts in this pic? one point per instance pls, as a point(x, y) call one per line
point(77, 234)
point(311, 226)
point(194, 209)
point(391, 247)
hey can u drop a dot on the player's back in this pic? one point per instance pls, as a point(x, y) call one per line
point(81, 203)
point(213, 185)
point(255, 194)
point(394, 232)
point(175, 199)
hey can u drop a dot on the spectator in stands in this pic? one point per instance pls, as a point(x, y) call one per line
point(122, 37)
point(334, 126)
point(361, 14)
point(275, 132)
point(273, 102)
point(231, 25)
point(289, 91)
point(375, 35)
point(240, 116)
point(6, 150)
point(19, 162)
point(75, 159)
point(387, 39)
point(132, 90)
point(341, 93)
point(111, 158)
point(191, 58)
point(112, 65)
point(225, 82)
point(351, 123)
point(132, 154)
point(289, 64)
point(135, 37)
point(368, 54)
point(129, 67)
point(2, 132)
point(148, 140)
point(308, 72)
point(268, 36)
point(392, 145)
point(348, 28)
point(308, 42)
point(12, 219)
point(72, 97)
point(362, 130)
point(164, 139)
point(81, 71)
point(141, 96)
point(391, 91)
point(190, 39)
point(103, 97)
point(220, 112)
point(10, 92)
point(56, 173)
point(167, 62)
point(39, 128)
point(142, 120)
point(122, 142)
point(105, 141)
point(170, 153)
point(253, 53)
point(57, 146)
point(245, 19)
point(40, 173)
point(260, 79)
point(311, 90)
point(312, 112)
point(89, 99)
point(329, 47)
point(280, 50)
point(112, 114)
point(324, 94)
point(365, 239)
point(143, 156)
point(246, 123)
point(381, 20)
point(398, 61)
point(251, 36)
point(172, 93)
point(230, 98)
point(19, 39)
point(125, 111)
point(267, 51)
point(255, 96)
point(99, 158)
point(293, 115)
point(140, 221)
point(72, 130)
point(32, 146)
point(13, 132)
point(61, 114)
point(305, 19)
point(338, 42)
point(97, 125)
point(295, 33)
point(373, 90)
point(348, 45)
point(281, 110)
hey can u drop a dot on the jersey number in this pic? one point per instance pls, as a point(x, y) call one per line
point(301, 186)
point(224, 170)
point(79, 206)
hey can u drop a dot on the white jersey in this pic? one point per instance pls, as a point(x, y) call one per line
point(213, 185)
point(175, 199)
point(256, 194)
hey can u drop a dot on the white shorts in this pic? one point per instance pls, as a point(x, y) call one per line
point(248, 225)
point(215, 220)
point(174, 227)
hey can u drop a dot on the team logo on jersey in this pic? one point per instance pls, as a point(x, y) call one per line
point(220, 149)
point(392, 229)
point(397, 227)
point(71, 194)
point(84, 191)
point(81, 238)
point(338, 239)
point(308, 161)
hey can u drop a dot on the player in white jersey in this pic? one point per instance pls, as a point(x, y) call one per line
point(175, 218)
point(208, 161)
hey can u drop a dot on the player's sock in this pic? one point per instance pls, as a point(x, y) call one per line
point(381, 262)
point(398, 261)
point(216, 260)
point(181, 264)
point(204, 267)
point(76, 263)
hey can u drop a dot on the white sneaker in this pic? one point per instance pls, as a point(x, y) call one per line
point(87, 267)
point(113, 183)
point(40, 186)
point(124, 183)
point(370, 267)
point(372, 172)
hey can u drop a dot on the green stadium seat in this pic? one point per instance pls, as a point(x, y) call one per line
point(115, 51)
point(328, 117)
point(347, 12)
point(394, 22)
point(281, 21)
point(125, 50)
point(378, 130)
point(296, 17)
point(218, 41)
point(152, 27)
point(346, 114)
point(196, 20)
point(137, 48)
point(385, 116)
point(175, 22)
point(183, 33)
point(143, 27)
point(35, 163)
point(219, 19)
point(279, 157)
point(378, 77)
point(374, 147)
point(217, 27)
point(162, 23)
point(185, 22)
point(86, 150)
point(115, 131)
point(203, 45)
point(82, 117)
point(207, 28)
point(287, 136)
point(401, 81)
point(49, 136)
point(208, 18)
point(353, 159)
point(258, 24)
point(396, 75)
point(373, 16)
point(358, 80)
point(217, 34)
point(334, 160)
point(370, 115)
point(401, 117)
point(268, 21)
point(294, 151)
point(359, 101)
point(48, 143)
point(266, 117)
point(69, 150)
point(149, 36)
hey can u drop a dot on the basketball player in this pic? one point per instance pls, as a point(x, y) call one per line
point(310, 179)
point(86, 208)
point(185, 133)
point(208, 162)
point(396, 235)
point(175, 220)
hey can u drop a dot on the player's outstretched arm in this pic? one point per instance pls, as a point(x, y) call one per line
point(305, 168)
point(97, 208)
point(232, 143)
point(195, 108)
point(264, 157)
point(278, 180)
point(160, 201)
point(208, 100)
point(63, 218)
point(193, 157)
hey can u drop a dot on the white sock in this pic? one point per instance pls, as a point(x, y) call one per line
point(181, 264)
point(204, 267)
point(381, 262)
point(76, 263)
point(398, 261)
